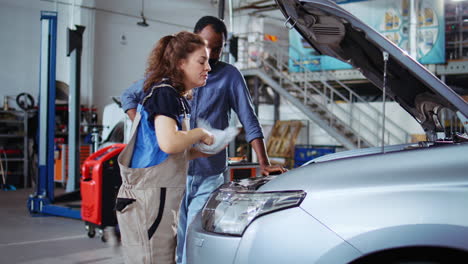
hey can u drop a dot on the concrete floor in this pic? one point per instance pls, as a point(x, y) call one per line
point(47, 239)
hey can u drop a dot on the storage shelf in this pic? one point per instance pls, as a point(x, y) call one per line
point(454, 17)
point(11, 111)
point(11, 136)
point(12, 159)
point(457, 42)
point(17, 134)
point(14, 173)
point(457, 32)
point(456, 24)
point(11, 121)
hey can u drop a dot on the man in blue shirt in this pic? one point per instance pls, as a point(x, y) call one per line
point(225, 89)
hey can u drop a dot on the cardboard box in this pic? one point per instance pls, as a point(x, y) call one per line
point(415, 138)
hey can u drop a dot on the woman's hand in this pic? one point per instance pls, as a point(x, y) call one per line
point(207, 138)
point(171, 140)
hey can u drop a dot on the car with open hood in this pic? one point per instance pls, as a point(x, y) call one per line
point(391, 204)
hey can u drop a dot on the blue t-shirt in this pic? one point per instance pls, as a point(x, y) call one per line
point(225, 89)
point(161, 101)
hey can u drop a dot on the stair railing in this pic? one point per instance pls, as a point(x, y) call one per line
point(358, 114)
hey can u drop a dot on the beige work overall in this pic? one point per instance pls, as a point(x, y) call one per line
point(148, 205)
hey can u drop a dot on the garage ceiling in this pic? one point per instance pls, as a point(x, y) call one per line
point(155, 8)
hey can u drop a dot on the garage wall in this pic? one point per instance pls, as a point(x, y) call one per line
point(115, 49)
point(121, 50)
point(19, 47)
point(109, 65)
point(122, 47)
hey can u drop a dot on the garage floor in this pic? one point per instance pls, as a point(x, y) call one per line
point(47, 239)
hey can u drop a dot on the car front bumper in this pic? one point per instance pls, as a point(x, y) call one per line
point(287, 236)
point(206, 247)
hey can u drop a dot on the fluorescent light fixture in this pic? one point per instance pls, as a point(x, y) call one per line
point(143, 18)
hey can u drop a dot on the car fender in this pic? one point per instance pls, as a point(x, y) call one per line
point(426, 235)
point(290, 236)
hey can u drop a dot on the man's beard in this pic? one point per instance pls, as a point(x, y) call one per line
point(213, 63)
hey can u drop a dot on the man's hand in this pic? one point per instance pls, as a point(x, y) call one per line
point(131, 113)
point(272, 169)
point(265, 167)
point(195, 154)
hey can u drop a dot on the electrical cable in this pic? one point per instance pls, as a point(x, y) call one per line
point(2, 171)
point(6, 166)
point(6, 187)
point(33, 160)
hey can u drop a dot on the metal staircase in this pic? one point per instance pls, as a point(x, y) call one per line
point(327, 101)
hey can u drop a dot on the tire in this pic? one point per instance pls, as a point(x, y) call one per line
point(416, 255)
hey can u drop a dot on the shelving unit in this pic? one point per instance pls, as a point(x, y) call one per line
point(456, 30)
point(14, 145)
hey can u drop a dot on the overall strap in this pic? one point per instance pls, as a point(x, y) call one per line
point(152, 90)
point(186, 112)
point(135, 123)
point(137, 119)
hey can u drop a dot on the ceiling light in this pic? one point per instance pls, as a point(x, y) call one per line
point(143, 22)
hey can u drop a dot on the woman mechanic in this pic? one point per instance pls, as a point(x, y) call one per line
point(154, 163)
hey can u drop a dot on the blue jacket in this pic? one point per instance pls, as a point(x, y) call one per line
point(225, 89)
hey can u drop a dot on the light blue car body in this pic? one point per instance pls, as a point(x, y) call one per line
point(366, 205)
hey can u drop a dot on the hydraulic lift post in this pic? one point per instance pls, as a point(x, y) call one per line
point(41, 202)
point(45, 179)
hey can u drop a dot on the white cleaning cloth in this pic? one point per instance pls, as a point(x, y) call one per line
point(221, 138)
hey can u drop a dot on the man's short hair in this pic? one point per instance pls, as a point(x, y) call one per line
point(217, 24)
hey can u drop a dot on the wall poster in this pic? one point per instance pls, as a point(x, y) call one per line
point(391, 19)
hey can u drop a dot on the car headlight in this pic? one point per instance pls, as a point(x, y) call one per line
point(231, 211)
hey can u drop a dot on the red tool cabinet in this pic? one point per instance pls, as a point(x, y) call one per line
point(100, 182)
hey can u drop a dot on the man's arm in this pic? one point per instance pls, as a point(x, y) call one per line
point(266, 168)
point(131, 97)
point(131, 113)
point(241, 102)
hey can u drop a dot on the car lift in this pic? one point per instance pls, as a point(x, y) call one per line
point(42, 201)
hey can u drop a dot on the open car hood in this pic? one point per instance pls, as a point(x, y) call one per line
point(335, 32)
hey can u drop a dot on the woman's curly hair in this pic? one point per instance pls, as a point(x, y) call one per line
point(165, 59)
